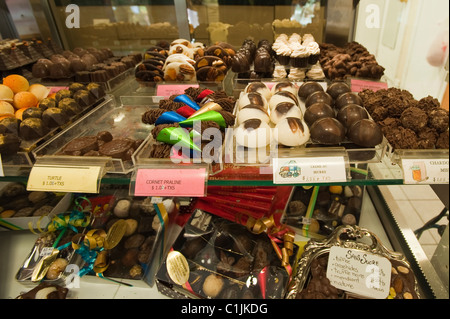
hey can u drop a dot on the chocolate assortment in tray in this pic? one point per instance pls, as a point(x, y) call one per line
point(406, 122)
point(147, 224)
point(183, 61)
point(317, 275)
point(353, 59)
point(36, 115)
point(219, 259)
point(318, 211)
point(184, 119)
point(309, 115)
point(83, 65)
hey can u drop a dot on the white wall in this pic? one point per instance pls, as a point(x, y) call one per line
point(405, 62)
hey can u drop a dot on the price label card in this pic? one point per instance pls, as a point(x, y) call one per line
point(74, 179)
point(170, 182)
point(309, 170)
point(167, 90)
point(359, 272)
point(425, 171)
point(360, 85)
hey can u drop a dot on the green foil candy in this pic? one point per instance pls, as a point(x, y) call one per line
point(175, 135)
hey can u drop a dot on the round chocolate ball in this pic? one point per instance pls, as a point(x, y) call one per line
point(327, 131)
point(317, 111)
point(317, 97)
point(337, 88)
point(350, 114)
point(347, 98)
point(308, 88)
point(365, 133)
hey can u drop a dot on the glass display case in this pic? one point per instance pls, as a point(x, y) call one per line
point(126, 28)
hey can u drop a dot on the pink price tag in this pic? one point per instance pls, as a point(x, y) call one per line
point(360, 85)
point(167, 90)
point(55, 89)
point(170, 182)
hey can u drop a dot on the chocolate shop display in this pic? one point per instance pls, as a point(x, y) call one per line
point(216, 258)
point(338, 267)
point(184, 119)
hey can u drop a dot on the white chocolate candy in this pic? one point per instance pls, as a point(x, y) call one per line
point(184, 42)
point(283, 110)
point(253, 134)
point(180, 48)
point(285, 86)
point(178, 57)
point(252, 98)
point(282, 96)
point(177, 71)
point(260, 88)
point(291, 132)
point(252, 111)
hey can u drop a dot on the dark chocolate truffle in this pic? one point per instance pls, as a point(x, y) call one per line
point(32, 128)
point(54, 117)
point(317, 111)
point(365, 133)
point(9, 144)
point(438, 119)
point(307, 88)
point(414, 118)
point(337, 88)
point(319, 97)
point(350, 114)
point(32, 112)
point(347, 98)
point(327, 131)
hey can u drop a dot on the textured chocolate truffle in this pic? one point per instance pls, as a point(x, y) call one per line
point(414, 118)
point(438, 119)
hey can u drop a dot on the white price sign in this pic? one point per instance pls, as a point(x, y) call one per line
point(309, 170)
point(359, 272)
point(425, 171)
point(76, 179)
